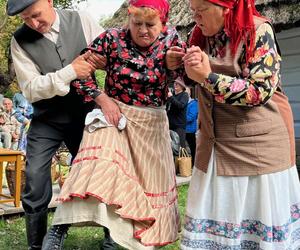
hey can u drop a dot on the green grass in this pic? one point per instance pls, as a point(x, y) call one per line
point(13, 234)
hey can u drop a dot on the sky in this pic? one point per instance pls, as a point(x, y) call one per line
point(100, 8)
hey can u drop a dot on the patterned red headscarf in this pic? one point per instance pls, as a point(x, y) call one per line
point(161, 5)
point(239, 25)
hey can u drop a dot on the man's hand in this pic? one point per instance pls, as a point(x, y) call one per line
point(174, 57)
point(196, 63)
point(82, 68)
point(97, 61)
point(109, 108)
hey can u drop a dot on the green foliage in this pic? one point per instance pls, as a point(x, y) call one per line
point(100, 78)
point(66, 4)
point(10, 93)
point(13, 233)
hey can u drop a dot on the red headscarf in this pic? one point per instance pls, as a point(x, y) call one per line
point(239, 25)
point(161, 5)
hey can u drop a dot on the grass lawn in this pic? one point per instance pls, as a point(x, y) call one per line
point(13, 235)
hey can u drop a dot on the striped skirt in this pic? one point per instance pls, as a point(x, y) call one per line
point(125, 180)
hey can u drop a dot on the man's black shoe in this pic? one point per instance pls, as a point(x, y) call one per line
point(36, 228)
point(54, 239)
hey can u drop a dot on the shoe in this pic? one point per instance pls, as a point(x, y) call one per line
point(54, 239)
point(108, 242)
point(36, 228)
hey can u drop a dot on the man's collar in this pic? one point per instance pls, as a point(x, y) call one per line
point(55, 25)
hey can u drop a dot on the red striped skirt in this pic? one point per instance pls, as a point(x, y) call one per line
point(131, 170)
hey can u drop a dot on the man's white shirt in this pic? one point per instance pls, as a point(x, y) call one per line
point(35, 86)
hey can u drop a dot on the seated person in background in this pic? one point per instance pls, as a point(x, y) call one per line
point(176, 109)
point(5, 136)
point(12, 122)
point(23, 109)
point(19, 100)
point(23, 113)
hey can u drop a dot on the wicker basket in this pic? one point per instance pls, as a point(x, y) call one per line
point(185, 170)
point(185, 163)
point(10, 172)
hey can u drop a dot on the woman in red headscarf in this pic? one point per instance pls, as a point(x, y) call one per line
point(124, 178)
point(244, 192)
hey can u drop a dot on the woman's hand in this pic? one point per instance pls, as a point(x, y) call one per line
point(174, 57)
point(109, 108)
point(196, 64)
point(96, 60)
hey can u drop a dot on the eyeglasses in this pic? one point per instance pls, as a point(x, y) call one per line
point(199, 12)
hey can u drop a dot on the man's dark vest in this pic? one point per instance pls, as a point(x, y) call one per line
point(51, 57)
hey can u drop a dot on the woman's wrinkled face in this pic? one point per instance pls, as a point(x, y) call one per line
point(144, 30)
point(208, 16)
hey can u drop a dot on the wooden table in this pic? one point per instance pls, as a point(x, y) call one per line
point(14, 156)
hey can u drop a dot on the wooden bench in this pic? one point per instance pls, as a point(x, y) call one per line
point(14, 156)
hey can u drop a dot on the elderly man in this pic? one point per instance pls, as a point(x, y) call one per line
point(45, 51)
point(5, 135)
point(11, 123)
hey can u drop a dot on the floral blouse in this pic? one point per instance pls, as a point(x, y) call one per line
point(133, 77)
point(258, 80)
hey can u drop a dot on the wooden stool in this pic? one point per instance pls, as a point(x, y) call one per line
point(7, 155)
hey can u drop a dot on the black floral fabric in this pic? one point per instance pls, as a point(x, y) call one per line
point(134, 76)
point(259, 79)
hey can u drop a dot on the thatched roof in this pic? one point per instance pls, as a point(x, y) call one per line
point(284, 14)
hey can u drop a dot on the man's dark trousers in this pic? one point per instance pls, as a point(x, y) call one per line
point(43, 140)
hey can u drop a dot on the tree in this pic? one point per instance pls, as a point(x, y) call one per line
point(7, 26)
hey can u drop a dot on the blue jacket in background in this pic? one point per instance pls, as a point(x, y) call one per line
point(23, 109)
point(191, 116)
